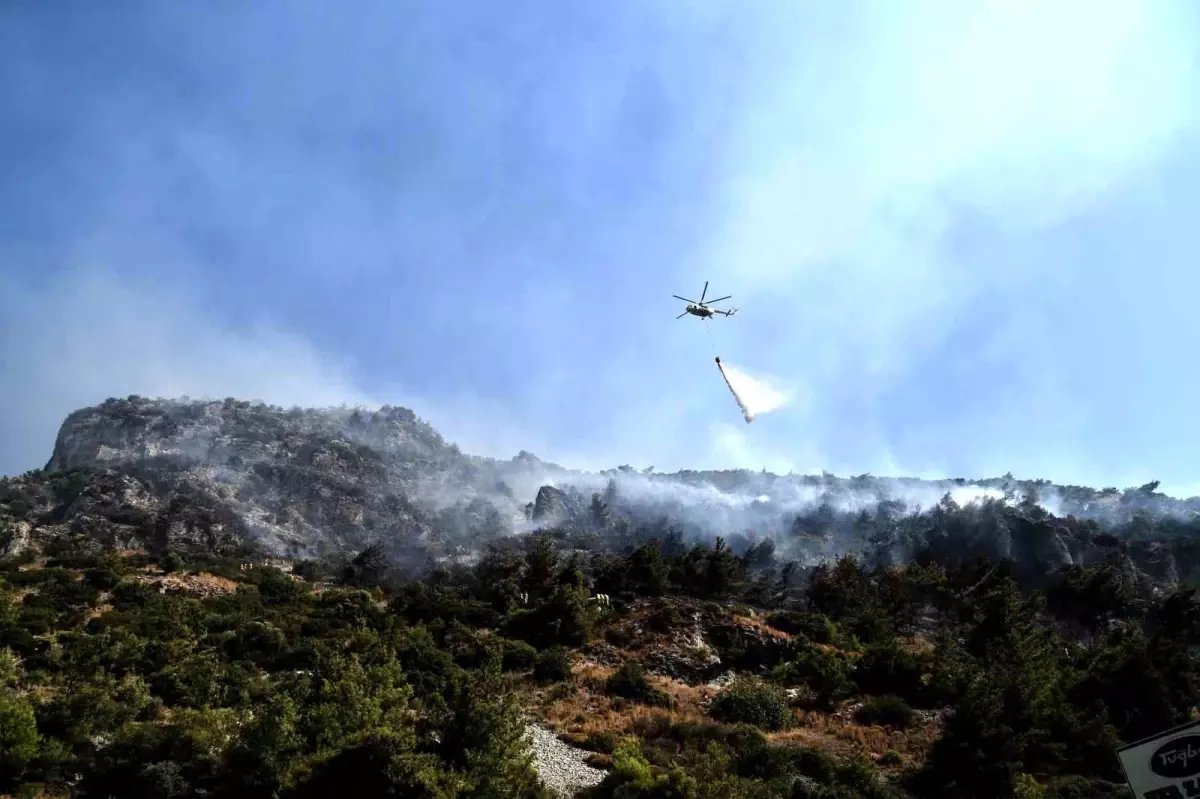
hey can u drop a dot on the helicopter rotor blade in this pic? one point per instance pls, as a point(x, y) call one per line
point(719, 299)
point(685, 299)
point(704, 292)
point(681, 315)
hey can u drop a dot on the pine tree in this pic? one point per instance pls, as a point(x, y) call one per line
point(600, 512)
point(540, 567)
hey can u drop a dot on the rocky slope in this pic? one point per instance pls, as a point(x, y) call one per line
point(223, 475)
point(298, 483)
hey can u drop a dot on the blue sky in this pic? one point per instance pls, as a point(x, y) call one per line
point(961, 235)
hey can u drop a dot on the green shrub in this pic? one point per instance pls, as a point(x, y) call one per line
point(604, 742)
point(518, 655)
point(888, 669)
point(886, 711)
point(816, 765)
point(552, 665)
point(565, 619)
point(629, 682)
point(665, 619)
point(19, 507)
point(619, 636)
point(103, 578)
point(18, 732)
point(757, 759)
point(10, 667)
point(813, 626)
point(823, 672)
point(751, 701)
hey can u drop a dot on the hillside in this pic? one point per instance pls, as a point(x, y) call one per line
point(227, 599)
point(232, 476)
point(707, 675)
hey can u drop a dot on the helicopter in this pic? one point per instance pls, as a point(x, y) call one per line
point(701, 308)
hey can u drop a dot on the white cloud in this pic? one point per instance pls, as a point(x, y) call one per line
point(84, 336)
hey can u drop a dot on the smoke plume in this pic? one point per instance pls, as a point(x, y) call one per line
point(753, 396)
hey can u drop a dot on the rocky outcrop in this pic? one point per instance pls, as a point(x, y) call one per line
point(219, 476)
point(554, 505)
point(550, 503)
point(228, 475)
point(689, 641)
point(741, 644)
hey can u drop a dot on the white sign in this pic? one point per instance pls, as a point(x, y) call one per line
point(1166, 766)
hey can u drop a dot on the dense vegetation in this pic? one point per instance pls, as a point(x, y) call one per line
point(277, 686)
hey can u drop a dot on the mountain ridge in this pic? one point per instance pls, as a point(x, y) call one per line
point(301, 483)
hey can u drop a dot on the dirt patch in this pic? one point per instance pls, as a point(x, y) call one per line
point(201, 584)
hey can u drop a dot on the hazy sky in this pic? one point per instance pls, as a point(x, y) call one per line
point(961, 235)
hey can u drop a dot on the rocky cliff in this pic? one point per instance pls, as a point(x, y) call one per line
point(233, 475)
point(223, 475)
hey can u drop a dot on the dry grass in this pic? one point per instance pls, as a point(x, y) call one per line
point(915, 644)
point(840, 735)
point(213, 581)
point(201, 583)
point(760, 625)
point(584, 710)
point(581, 710)
point(835, 650)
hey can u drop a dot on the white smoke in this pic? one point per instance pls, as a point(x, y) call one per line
point(754, 396)
point(970, 495)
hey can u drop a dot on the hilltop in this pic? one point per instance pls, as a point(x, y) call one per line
point(232, 476)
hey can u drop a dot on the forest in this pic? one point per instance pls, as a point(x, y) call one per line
point(235, 681)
